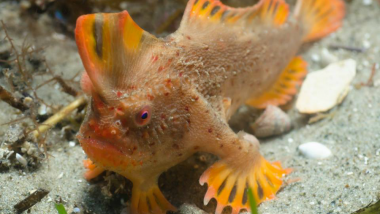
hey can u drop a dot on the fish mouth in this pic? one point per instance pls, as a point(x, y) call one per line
point(104, 153)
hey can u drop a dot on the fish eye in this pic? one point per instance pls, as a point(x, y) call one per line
point(143, 116)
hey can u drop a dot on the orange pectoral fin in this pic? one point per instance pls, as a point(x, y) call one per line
point(285, 86)
point(228, 185)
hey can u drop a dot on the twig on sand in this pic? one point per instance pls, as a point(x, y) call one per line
point(31, 200)
point(369, 82)
point(372, 208)
point(57, 117)
point(348, 48)
point(7, 97)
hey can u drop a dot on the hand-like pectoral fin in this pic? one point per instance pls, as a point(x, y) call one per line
point(241, 167)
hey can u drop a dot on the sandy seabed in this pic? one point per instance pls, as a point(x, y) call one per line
point(343, 183)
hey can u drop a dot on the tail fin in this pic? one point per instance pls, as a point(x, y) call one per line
point(319, 17)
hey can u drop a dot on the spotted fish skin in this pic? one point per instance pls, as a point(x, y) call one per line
point(155, 102)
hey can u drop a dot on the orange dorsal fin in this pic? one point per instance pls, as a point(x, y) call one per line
point(319, 17)
point(109, 45)
point(202, 13)
point(285, 86)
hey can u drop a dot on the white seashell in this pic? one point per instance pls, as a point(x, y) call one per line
point(2, 153)
point(314, 150)
point(42, 110)
point(272, 122)
point(324, 89)
point(21, 159)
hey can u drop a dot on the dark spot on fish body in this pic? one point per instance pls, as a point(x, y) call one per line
point(215, 10)
point(175, 146)
point(160, 69)
point(169, 62)
point(196, 147)
point(154, 58)
point(150, 97)
point(232, 14)
point(224, 15)
point(204, 6)
point(209, 130)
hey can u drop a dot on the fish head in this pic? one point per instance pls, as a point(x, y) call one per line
point(138, 112)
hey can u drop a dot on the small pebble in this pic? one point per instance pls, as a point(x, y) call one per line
point(314, 150)
point(71, 143)
point(366, 160)
point(366, 44)
point(60, 175)
point(327, 57)
point(27, 101)
point(76, 210)
point(42, 110)
point(367, 2)
point(315, 57)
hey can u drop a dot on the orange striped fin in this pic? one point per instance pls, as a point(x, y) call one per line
point(271, 12)
point(320, 17)
point(285, 87)
point(229, 186)
point(109, 44)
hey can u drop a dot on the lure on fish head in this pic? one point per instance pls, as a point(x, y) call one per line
point(135, 118)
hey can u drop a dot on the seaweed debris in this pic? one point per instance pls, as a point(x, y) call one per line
point(24, 74)
point(373, 208)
